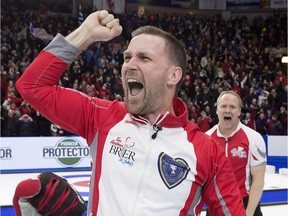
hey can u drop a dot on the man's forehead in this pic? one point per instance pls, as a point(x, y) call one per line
point(146, 41)
point(228, 98)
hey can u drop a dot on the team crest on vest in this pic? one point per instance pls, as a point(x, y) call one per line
point(172, 171)
point(239, 152)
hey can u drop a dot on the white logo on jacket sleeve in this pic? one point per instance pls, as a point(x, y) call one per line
point(172, 171)
point(124, 152)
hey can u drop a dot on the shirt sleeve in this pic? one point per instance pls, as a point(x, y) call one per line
point(257, 150)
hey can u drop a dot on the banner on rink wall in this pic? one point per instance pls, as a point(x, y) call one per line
point(188, 4)
point(243, 4)
point(117, 6)
point(278, 4)
point(212, 5)
point(277, 145)
point(23, 154)
point(39, 153)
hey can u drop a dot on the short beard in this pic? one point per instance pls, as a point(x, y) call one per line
point(131, 108)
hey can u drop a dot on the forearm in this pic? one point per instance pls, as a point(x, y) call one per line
point(79, 38)
point(254, 197)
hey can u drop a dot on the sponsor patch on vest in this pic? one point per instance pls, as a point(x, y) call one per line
point(172, 171)
point(239, 152)
point(123, 150)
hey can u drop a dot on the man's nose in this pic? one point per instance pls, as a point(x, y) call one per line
point(131, 65)
point(227, 109)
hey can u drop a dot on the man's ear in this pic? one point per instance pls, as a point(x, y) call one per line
point(175, 75)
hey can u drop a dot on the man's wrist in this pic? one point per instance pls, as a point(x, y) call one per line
point(79, 38)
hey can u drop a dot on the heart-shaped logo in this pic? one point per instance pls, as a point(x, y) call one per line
point(172, 171)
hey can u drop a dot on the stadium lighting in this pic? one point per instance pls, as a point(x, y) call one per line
point(284, 59)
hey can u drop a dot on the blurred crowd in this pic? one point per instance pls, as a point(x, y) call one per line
point(240, 55)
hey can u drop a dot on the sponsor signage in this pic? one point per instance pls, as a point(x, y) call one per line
point(19, 153)
point(190, 4)
point(278, 4)
point(212, 5)
point(277, 145)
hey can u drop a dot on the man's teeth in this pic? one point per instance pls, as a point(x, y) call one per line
point(132, 80)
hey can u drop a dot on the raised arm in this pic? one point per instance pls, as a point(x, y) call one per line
point(64, 107)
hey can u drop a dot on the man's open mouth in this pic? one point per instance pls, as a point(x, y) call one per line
point(226, 118)
point(135, 87)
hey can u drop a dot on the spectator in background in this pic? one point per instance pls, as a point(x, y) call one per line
point(66, 80)
point(26, 126)
point(104, 92)
point(91, 56)
point(56, 130)
point(277, 52)
point(236, 87)
point(206, 60)
point(244, 147)
point(266, 73)
point(262, 97)
point(252, 95)
point(75, 85)
point(274, 126)
point(253, 109)
point(43, 125)
point(11, 116)
point(76, 68)
point(280, 79)
point(91, 91)
point(268, 115)
point(249, 121)
point(225, 86)
point(11, 98)
point(198, 99)
point(25, 108)
point(193, 112)
point(267, 85)
point(116, 82)
point(274, 100)
point(118, 97)
point(10, 88)
point(204, 122)
point(283, 118)
point(265, 106)
point(207, 98)
point(261, 124)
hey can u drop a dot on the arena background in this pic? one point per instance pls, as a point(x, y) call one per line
point(76, 169)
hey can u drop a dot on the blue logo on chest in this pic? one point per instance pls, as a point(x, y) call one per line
point(172, 171)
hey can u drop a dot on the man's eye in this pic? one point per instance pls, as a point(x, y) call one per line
point(145, 58)
point(127, 58)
